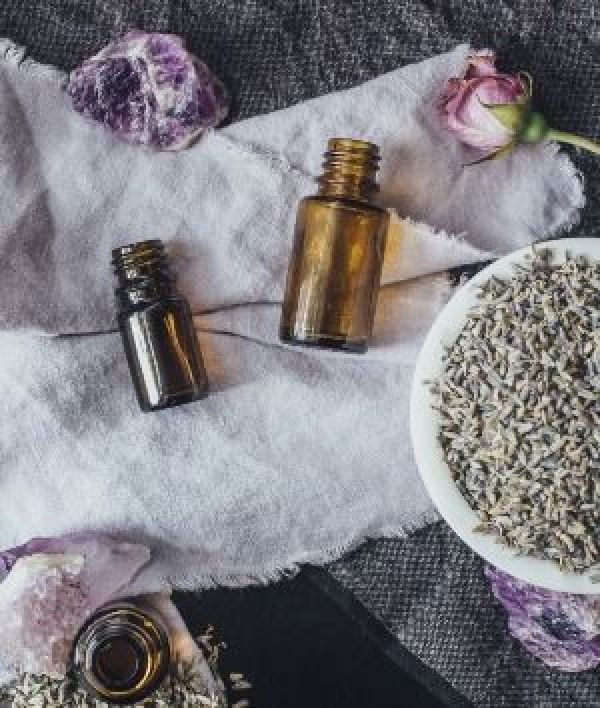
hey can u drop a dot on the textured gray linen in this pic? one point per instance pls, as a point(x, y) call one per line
point(298, 454)
point(452, 623)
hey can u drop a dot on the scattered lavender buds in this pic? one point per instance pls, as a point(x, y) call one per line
point(183, 688)
point(147, 89)
point(519, 407)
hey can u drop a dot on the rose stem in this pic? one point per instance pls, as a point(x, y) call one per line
point(573, 139)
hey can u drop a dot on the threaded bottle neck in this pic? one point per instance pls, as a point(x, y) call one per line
point(349, 169)
point(143, 272)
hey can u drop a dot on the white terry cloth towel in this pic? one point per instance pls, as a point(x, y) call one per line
point(298, 454)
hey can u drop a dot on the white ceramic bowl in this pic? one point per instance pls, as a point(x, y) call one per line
point(424, 430)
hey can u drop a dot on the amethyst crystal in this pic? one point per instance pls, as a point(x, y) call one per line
point(561, 629)
point(49, 587)
point(148, 89)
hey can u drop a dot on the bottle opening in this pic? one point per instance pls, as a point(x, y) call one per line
point(349, 169)
point(138, 248)
point(122, 654)
point(118, 663)
point(351, 144)
point(144, 257)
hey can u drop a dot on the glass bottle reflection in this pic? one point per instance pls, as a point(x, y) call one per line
point(157, 329)
point(337, 257)
point(122, 654)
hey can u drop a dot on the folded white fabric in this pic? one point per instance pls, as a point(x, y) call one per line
point(297, 455)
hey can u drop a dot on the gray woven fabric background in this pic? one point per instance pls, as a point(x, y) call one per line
point(271, 53)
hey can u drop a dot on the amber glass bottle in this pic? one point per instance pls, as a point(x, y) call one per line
point(122, 654)
point(157, 329)
point(339, 243)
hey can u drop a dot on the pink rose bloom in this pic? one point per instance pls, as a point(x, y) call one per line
point(466, 101)
point(492, 111)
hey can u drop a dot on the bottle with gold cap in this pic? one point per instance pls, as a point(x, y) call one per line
point(336, 262)
point(122, 654)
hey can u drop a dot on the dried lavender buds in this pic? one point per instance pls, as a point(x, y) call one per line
point(183, 689)
point(519, 407)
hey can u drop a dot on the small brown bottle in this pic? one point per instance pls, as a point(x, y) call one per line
point(122, 654)
point(157, 329)
point(339, 243)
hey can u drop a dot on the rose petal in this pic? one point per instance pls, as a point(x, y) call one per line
point(463, 102)
point(472, 122)
point(498, 90)
point(481, 63)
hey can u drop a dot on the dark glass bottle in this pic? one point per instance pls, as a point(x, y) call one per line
point(336, 262)
point(122, 653)
point(157, 329)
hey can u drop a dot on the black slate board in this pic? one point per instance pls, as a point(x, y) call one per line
point(309, 643)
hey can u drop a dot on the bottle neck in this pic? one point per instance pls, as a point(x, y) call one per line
point(144, 274)
point(350, 169)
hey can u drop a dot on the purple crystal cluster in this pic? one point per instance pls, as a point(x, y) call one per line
point(148, 89)
point(49, 587)
point(561, 629)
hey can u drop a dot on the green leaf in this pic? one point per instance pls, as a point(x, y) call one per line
point(500, 152)
point(535, 129)
point(512, 115)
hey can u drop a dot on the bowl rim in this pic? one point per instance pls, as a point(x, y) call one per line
point(432, 467)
